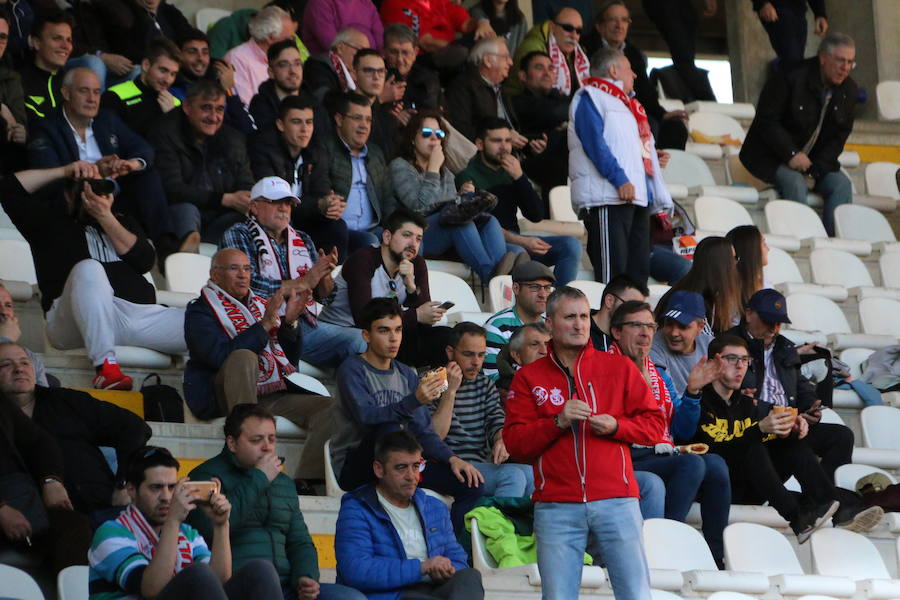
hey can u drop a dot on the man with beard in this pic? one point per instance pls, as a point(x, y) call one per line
point(285, 79)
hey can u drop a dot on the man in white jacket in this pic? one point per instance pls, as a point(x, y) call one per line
point(616, 177)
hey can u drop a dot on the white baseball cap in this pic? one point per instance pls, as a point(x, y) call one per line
point(273, 189)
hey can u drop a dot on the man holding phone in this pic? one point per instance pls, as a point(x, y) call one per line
point(150, 552)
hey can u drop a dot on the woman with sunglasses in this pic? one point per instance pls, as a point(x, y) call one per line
point(421, 181)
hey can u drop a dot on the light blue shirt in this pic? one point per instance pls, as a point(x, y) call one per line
point(359, 214)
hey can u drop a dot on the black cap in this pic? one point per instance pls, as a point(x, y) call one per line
point(531, 270)
point(770, 305)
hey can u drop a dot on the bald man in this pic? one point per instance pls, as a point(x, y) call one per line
point(244, 348)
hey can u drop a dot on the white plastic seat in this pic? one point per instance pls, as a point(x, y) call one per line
point(17, 263)
point(856, 222)
point(881, 179)
point(592, 289)
point(671, 104)
point(207, 17)
point(817, 314)
point(830, 415)
point(846, 476)
point(18, 584)
point(839, 268)
point(849, 398)
point(842, 553)
point(674, 548)
point(854, 358)
point(714, 125)
point(500, 293)
point(788, 218)
point(880, 425)
point(454, 267)
point(738, 110)
point(657, 291)
point(719, 215)
point(444, 287)
point(881, 315)
point(72, 583)
point(187, 272)
point(704, 151)
point(782, 272)
point(562, 221)
point(849, 159)
point(332, 488)
point(887, 94)
point(889, 263)
point(690, 170)
point(778, 562)
point(561, 204)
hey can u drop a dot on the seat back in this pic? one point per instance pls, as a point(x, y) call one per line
point(561, 204)
point(781, 268)
point(854, 357)
point(887, 94)
point(714, 124)
point(785, 217)
point(846, 476)
point(836, 267)
point(17, 264)
point(743, 542)
point(739, 174)
point(687, 169)
point(880, 316)
point(332, 488)
point(830, 415)
point(842, 553)
point(187, 272)
point(676, 545)
point(18, 584)
point(500, 292)
point(445, 286)
point(815, 313)
point(207, 17)
point(592, 289)
point(481, 558)
point(889, 263)
point(880, 425)
point(858, 222)
point(881, 179)
point(720, 214)
point(72, 583)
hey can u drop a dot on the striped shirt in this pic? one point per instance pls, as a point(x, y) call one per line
point(117, 562)
point(499, 329)
point(477, 417)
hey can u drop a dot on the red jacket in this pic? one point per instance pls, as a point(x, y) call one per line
point(574, 465)
point(441, 18)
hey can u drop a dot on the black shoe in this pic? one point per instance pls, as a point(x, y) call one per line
point(858, 518)
point(305, 487)
point(806, 521)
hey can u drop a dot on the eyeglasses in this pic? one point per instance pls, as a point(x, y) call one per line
point(373, 72)
point(844, 62)
point(359, 118)
point(537, 287)
point(733, 359)
point(625, 20)
point(651, 327)
point(351, 46)
point(569, 28)
point(506, 56)
point(427, 132)
point(235, 268)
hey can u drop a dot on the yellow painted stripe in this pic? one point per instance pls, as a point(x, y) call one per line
point(325, 547)
point(133, 401)
point(871, 153)
point(186, 465)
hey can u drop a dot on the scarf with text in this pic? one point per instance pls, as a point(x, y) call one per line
point(147, 539)
point(558, 58)
point(637, 109)
point(660, 394)
point(299, 259)
point(235, 317)
point(343, 73)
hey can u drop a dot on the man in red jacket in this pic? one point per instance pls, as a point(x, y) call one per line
point(573, 414)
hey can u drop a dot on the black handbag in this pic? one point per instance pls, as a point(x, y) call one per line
point(162, 402)
point(19, 491)
point(465, 207)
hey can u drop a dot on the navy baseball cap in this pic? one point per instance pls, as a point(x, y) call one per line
point(770, 305)
point(685, 307)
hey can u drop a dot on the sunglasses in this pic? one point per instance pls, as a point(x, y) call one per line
point(569, 28)
point(427, 132)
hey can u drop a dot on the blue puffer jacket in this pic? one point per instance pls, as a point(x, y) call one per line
point(370, 555)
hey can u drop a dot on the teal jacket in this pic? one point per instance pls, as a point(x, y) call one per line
point(266, 522)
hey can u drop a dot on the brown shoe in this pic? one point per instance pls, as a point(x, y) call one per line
point(190, 243)
point(504, 265)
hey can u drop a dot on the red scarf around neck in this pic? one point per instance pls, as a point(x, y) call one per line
point(637, 109)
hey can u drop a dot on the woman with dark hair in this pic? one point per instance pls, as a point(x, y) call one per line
point(421, 182)
point(714, 276)
point(752, 255)
point(506, 19)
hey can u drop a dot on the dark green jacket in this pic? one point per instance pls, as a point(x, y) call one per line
point(266, 522)
point(378, 181)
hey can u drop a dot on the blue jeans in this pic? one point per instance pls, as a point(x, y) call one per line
point(653, 494)
point(479, 246)
point(187, 217)
point(667, 266)
point(360, 239)
point(564, 256)
point(327, 345)
point(327, 591)
point(508, 480)
point(96, 64)
point(561, 530)
point(834, 188)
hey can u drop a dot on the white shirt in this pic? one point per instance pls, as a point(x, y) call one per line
point(87, 148)
point(409, 528)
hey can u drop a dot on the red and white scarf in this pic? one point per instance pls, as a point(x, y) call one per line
point(234, 317)
point(637, 109)
point(147, 539)
point(299, 258)
point(343, 73)
point(558, 58)
point(660, 393)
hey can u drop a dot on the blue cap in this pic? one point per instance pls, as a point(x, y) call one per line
point(685, 307)
point(770, 305)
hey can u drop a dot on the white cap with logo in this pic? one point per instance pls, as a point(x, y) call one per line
point(273, 189)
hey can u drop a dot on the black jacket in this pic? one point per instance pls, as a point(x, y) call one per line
point(816, 6)
point(319, 79)
point(786, 117)
point(236, 114)
point(264, 108)
point(80, 424)
point(139, 112)
point(470, 98)
point(728, 429)
point(199, 173)
point(129, 33)
point(42, 91)
point(21, 439)
point(423, 88)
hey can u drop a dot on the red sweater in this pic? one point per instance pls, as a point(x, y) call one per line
point(574, 465)
point(441, 18)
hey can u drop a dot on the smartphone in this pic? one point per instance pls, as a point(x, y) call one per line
point(447, 305)
point(201, 491)
point(101, 187)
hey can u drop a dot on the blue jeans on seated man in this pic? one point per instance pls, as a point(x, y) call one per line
point(478, 243)
point(96, 64)
point(506, 480)
point(211, 224)
point(564, 256)
point(360, 239)
point(561, 531)
point(834, 188)
point(666, 266)
point(327, 591)
point(327, 345)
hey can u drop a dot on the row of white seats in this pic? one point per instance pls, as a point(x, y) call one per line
point(71, 584)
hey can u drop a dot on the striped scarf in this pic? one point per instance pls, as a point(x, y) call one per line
point(660, 393)
point(637, 110)
point(147, 539)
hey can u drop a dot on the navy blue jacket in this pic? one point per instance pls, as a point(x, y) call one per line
point(52, 143)
point(209, 345)
point(369, 552)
